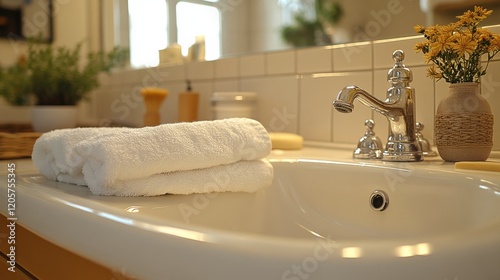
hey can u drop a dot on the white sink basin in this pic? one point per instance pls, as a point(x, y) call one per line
point(315, 222)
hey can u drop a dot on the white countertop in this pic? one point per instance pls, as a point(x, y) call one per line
point(105, 223)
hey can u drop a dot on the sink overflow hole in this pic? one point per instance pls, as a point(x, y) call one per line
point(379, 200)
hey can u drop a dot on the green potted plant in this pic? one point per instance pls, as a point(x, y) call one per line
point(15, 90)
point(311, 32)
point(57, 79)
point(15, 86)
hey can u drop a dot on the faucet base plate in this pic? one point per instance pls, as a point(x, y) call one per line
point(402, 151)
point(402, 157)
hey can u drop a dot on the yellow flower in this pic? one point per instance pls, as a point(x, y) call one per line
point(420, 47)
point(454, 49)
point(419, 29)
point(433, 73)
point(495, 43)
point(463, 44)
point(482, 13)
point(431, 31)
point(431, 54)
point(474, 17)
point(467, 18)
point(442, 43)
point(448, 29)
point(482, 34)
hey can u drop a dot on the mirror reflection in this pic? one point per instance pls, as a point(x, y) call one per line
point(210, 29)
point(20, 19)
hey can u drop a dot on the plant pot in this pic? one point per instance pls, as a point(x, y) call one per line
point(464, 124)
point(47, 118)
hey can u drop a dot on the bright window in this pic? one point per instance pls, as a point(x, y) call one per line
point(148, 31)
point(151, 28)
point(202, 21)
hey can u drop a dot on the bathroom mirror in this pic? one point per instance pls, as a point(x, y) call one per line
point(20, 19)
point(361, 20)
point(252, 26)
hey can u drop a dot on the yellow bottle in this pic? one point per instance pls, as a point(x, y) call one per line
point(188, 105)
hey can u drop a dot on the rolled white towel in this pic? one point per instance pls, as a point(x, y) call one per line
point(141, 153)
point(241, 176)
point(53, 152)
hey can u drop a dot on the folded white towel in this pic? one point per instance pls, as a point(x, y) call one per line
point(241, 176)
point(53, 152)
point(178, 158)
point(140, 153)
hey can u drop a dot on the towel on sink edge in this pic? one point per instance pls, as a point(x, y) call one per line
point(107, 159)
point(54, 156)
point(140, 153)
point(241, 176)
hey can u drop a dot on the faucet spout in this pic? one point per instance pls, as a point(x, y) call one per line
point(398, 108)
point(345, 102)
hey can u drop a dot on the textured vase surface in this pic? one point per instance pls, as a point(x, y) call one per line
point(464, 124)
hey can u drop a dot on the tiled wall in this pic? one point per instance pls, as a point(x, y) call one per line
point(295, 88)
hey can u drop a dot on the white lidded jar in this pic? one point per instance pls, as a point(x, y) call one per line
point(233, 105)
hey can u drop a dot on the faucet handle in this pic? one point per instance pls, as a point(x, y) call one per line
point(425, 146)
point(398, 56)
point(370, 124)
point(399, 73)
point(419, 127)
point(369, 146)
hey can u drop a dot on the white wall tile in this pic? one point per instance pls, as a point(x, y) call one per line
point(277, 101)
point(380, 86)
point(252, 65)
point(316, 95)
point(490, 89)
point(201, 70)
point(114, 79)
point(349, 57)
point(226, 68)
point(280, 62)
point(167, 73)
point(129, 77)
point(383, 49)
point(122, 105)
point(314, 60)
point(226, 85)
point(348, 128)
point(424, 101)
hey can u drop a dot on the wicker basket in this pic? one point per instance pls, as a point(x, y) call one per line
point(16, 140)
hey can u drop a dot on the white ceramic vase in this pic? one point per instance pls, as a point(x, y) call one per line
point(47, 118)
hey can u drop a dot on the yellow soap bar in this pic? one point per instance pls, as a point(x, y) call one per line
point(286, 141)
point(478, 165)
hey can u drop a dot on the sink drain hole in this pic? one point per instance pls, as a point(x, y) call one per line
point(379, 200)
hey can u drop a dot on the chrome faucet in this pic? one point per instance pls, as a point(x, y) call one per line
point(398, 108)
